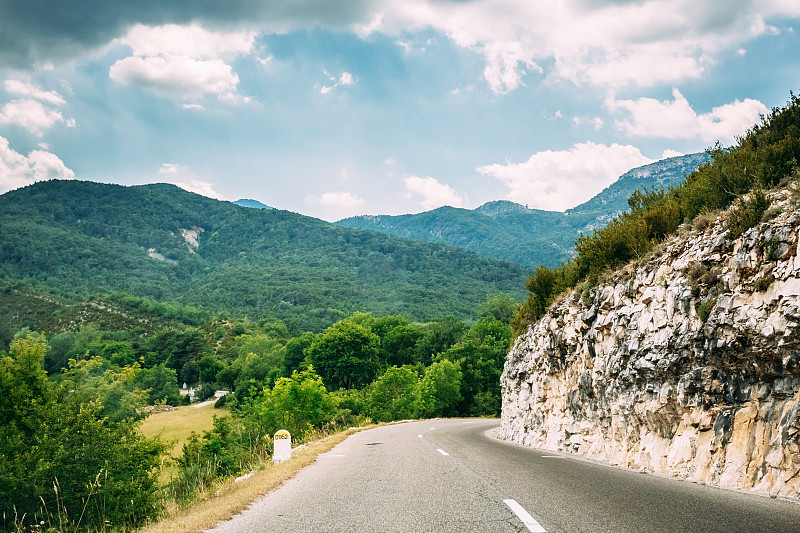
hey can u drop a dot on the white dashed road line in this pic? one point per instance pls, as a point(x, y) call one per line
point(441, 451)
point(529, 521)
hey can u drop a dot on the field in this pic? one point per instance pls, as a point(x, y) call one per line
point(176, 426)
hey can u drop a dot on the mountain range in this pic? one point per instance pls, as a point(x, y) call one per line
point(160, 242)
point(510, 231)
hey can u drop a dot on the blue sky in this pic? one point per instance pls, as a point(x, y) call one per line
point(383, 107)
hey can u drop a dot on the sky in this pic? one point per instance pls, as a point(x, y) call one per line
point(335, 109)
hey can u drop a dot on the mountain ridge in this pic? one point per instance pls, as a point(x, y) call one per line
point(503, 229)
point(164, 243)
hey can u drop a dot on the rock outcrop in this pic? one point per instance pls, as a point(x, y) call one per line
point(687, 366)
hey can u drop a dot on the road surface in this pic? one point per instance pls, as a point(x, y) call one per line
point(448, 476)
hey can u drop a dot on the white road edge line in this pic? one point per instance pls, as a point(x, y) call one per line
point(441, 451)
point(529, 521)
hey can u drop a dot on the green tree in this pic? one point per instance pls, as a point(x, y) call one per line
point(440, 389)
point(500, 307)
point(160, 383)
point(296, 404)
point(394, 395)
point(51, 436)
point(346, 355)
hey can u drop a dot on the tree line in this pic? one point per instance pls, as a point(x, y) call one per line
point(69, 443)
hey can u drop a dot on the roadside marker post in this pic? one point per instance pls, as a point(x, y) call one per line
point(282, 446)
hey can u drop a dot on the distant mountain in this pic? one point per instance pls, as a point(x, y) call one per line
point(510, 231)
point(613, 200)
point(166, 244)
point(253, 204)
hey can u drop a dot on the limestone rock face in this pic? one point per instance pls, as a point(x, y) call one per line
point(688, 366)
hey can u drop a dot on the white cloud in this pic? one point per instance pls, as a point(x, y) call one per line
point(182, 76)
point(204, 188)
point(188, 62)
point(671, 153)
point(183, 177)
point(344, 80)
point(338, 199)
point(17, 170)
point(35, 110)
point(188, 41)
point(559, 180)
point(676, 119)
point(168, 168)
point(595, 122)
point(32, 115)
point(611, 44)
point(31, 91)
point(433, 193)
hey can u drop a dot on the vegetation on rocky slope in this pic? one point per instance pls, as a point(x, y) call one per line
point(738, 176)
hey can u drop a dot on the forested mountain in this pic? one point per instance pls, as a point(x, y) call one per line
point(163, 243)
point(530, 237)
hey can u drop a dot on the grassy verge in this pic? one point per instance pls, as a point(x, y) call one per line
point(177, 425)
point(229, 498)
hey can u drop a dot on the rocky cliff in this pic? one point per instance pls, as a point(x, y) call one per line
point(686, 366)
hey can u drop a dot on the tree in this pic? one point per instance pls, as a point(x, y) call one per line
point(294, 352)
point(500, 307)
point(160, 383)
point(296, 404)
point(395, 395)
point(398, 345)
point(438, 336)
point(51, 436)
point(346, 355)
point(440, 388)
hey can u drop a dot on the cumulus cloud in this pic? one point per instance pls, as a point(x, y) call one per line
point(184, 178)
point(34, 111)
point(31, 115)
point(675, 119)
point(17, 170)
point(337, 199)
point(433, 194)
point(203, 188)
point(183, 61)
point(559, 180)
point(182, 76)
point(21, 88)
point(596, 122)
point(614, 44)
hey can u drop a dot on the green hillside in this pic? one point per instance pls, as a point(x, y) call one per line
point(169, 245)
point(509, 231)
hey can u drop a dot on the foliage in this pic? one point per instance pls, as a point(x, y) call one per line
point(764, 156)
point(440, 389)
point(297, 404)
point(63, 459)
point(83, 238)
point(395, 395)
point(346, 355)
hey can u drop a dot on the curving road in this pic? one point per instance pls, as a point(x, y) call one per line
point(446, 475)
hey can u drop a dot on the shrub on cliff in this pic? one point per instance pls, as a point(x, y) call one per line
point(767, 153)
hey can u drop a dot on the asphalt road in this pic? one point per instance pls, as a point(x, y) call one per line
point(447, 475)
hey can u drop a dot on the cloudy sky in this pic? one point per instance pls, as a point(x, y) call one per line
point(333, 109)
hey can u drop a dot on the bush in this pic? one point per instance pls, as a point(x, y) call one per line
point(62, 458)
